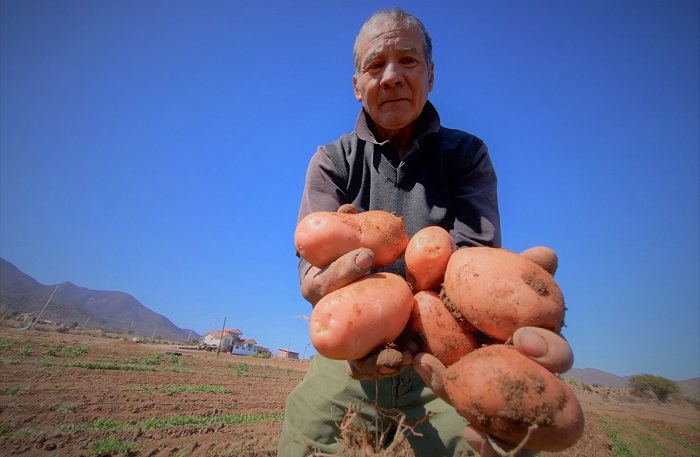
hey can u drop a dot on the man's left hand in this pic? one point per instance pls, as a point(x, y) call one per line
point(548, 349)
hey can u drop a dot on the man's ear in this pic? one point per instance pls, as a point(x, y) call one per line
point(431, 78)
point(356, 88)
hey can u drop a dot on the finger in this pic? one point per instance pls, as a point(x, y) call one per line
point(479, 442)
point(348, 208)
point(432, 371)
point(544, 257)
point(348, 268)
point(547, 348)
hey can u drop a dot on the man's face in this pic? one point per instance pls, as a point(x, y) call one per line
point(395, 77)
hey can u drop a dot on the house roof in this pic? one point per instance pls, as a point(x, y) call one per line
point(227, 332)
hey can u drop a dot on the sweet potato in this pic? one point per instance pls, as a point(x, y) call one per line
point(322, 237)
point(503, 393)
point(354, 320)
point(440, 331)
point(499, 291)
point(544, 257)
point(427, 254)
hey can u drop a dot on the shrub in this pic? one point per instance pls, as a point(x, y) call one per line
point(658, 385)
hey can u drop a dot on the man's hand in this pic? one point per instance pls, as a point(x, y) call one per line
point(384, 363)
point(544, 347)
point(350, 267)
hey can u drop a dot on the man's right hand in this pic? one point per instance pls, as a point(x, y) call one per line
point(350, 267)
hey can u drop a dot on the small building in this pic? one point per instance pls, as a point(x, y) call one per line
point(221, 340)
point(244, 346)
point(262, 349)
point(286, 354)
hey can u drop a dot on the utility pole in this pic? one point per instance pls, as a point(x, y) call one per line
point(5, 312)
point(86, 321)
point(221, 337)
point(153, 337)
point(47, 304)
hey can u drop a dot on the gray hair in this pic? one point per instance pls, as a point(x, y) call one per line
point(393, 17)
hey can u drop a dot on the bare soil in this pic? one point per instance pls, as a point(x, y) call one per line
point(67, 394)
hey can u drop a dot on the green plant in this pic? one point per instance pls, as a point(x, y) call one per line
point(101, 424)
point(76, 351)
point(155, 360)
point(5, 344)
point(111, 446)
point(670, 437)
point(661, 387)
point(198, 389)
point(619, 447)
point(242, 367)
point(25, 350)
point(108, 366)
point(16, 390)
point(53, 349)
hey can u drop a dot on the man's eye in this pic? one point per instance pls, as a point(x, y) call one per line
point(409, 61)
point(375, 66)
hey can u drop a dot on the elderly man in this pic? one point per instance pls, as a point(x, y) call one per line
point(398, 159)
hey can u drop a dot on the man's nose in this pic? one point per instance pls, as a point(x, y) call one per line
point(392, 75)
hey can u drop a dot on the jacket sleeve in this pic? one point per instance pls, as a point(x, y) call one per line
point(324, 189)
point(475, 199)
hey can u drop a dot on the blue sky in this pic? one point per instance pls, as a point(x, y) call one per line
point(159, 148)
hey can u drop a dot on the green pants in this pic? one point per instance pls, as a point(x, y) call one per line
point(318, 404)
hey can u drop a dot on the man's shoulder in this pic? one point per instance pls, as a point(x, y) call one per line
point(457, 139)
point(346, 141)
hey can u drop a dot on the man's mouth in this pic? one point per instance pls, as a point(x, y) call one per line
point(395, 100)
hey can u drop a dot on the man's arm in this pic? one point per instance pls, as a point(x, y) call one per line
point(475, 203)
point(323, 191)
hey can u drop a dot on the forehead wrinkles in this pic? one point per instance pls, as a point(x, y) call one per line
point(388, 41)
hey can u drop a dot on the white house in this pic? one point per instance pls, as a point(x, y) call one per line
point(221, 340)
point(245, 346)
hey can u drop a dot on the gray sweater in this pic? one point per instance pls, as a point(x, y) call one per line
point(446, 179)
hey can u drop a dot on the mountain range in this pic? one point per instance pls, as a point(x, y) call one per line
point(592, 377)
point(69, 304)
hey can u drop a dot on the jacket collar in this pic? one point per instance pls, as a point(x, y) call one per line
point(428, 122)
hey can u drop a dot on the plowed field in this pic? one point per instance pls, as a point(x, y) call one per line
point(78, 395)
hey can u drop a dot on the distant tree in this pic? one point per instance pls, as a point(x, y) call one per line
point(658, 385)
point(73, 325)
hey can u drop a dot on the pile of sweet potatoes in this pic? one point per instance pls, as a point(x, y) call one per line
point(464, 304)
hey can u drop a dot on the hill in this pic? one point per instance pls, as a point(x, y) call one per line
point(591, 376)
point(79, 306)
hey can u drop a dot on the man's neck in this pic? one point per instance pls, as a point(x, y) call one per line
point(401, 139)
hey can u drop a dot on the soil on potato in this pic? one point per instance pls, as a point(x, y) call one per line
point(70, 394)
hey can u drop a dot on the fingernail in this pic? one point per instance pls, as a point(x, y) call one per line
point(364, 260)
point(532, 343)
point(423, 371)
